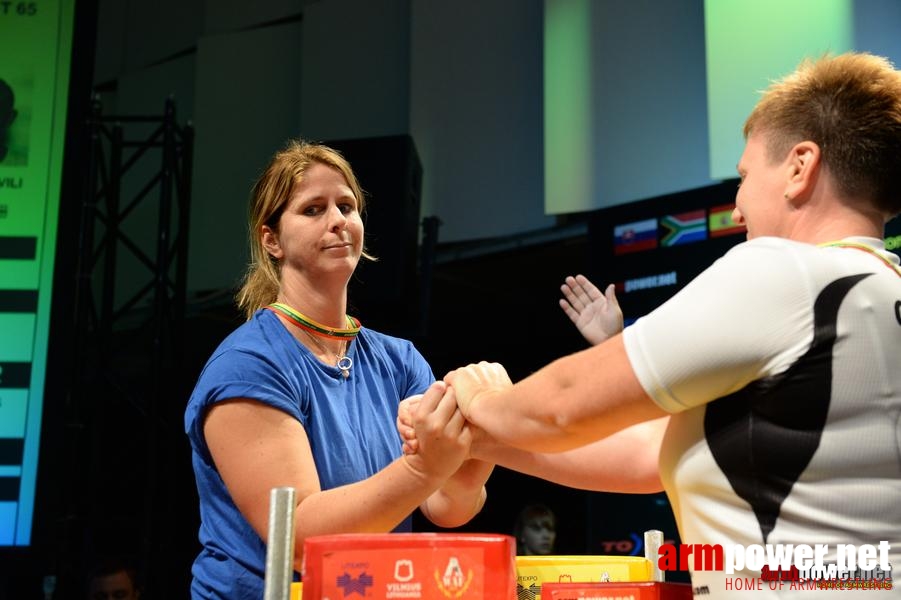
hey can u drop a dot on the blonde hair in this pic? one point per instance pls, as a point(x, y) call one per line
point(268, 199)
point(850, 106)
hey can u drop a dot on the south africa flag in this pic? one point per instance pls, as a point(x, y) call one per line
point(684, 228)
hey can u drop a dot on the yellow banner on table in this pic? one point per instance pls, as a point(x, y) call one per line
point(534, 571)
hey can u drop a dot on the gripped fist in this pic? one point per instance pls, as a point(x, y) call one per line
point(442, 436)
point(405, 411)
point(476, 380)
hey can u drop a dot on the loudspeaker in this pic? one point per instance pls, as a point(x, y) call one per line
point(384, 294)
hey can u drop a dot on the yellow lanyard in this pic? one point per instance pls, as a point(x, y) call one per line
point(865, 248)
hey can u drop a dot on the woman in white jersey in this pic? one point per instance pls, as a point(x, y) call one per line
point(764, 397)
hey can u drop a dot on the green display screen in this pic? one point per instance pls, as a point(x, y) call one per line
point(568, 99)
point(749, 44)
point(630, 94)
point(35, 50)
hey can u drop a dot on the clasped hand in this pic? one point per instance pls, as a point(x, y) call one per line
point(460, 388)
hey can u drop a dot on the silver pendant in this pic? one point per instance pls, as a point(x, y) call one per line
point(345, 363)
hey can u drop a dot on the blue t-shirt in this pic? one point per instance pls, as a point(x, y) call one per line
point(350, 423)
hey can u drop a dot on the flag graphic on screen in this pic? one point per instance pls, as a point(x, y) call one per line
point(684, 228)
point(720, 221)
point(634, 237)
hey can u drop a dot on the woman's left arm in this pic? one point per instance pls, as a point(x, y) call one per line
point(461, 497)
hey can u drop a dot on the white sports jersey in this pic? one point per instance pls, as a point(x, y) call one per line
point(781, 366)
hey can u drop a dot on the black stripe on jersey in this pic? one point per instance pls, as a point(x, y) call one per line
point(764, 435)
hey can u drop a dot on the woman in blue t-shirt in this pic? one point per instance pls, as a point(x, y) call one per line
point(302, 395)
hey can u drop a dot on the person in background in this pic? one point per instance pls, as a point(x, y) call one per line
point(113, 579)
point(303, 395)
point(7, 116)
point(768, 387)
point(535, 530)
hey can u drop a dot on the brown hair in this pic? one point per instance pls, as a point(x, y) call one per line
point(268, 200)
point(850, 106)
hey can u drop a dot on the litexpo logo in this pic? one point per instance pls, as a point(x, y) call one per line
point(796, 561)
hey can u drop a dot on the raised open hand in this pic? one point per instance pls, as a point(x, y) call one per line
point(597, 316)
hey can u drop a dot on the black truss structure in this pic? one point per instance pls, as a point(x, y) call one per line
point(124, 421)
